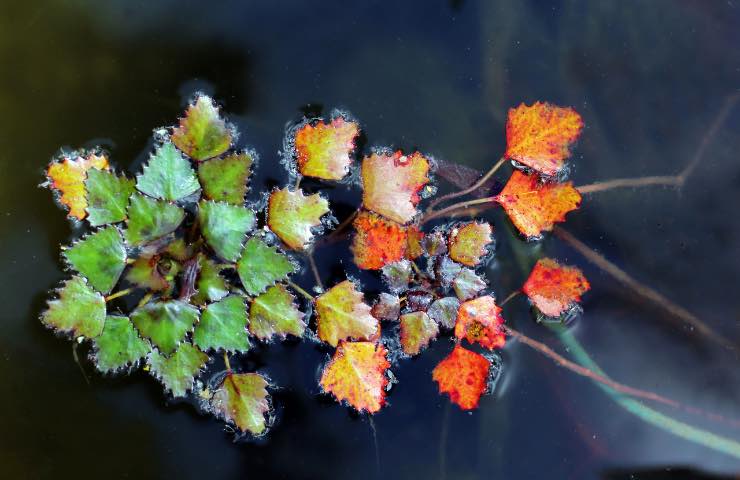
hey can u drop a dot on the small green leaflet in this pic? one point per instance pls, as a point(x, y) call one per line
point(150, 219)
point(168, 175)
point(145, 274)
point(211, 285)
point(274, 313)
point(202, 133)
point(165, 323)
point(107, 196)
point(242, 399)
point(223, 326)
point(178, 371)
point(261, 266)
point(225, 226)
point(226, 179)
point(79, 310)
point(99, 257)
point(119, 346)
point(468, 284)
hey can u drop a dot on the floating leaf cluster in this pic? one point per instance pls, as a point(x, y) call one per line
point(180, 270)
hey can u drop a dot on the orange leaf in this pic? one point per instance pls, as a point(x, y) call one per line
point(540, 136)
point(414, 247)
point(67, 176)
point(553, 287)
point(417, 330)
point(391, 183)
point(356, 374)
point(342, 314)
point(464, 375)
point(323, 150)
point(468, 242)
point(480, 320)
point(533, 206)
point(377, 241)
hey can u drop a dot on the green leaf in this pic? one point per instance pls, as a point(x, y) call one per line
point(467, 284)
point(444, 311)
point(224, 227)
point(397, 275)
point(293, 216)
point(223, 326)
point(261, 266)
point(107, 196)
point(178, 371)
point(242, 399)
point(119, 346)
point(202, 133)
point(151, 219)
point(226, 179)
point(165, 323)
point(79, 310)
point(275, 313)
point(168, 175)
point(99, 257)
point(210, 285)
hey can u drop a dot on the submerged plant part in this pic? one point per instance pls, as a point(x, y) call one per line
point(182, 274)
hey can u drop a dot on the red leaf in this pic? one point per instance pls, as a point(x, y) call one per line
point(535, 207)
point(553, 288)
point(464, 375)
point(480, 321)
point(378, 241)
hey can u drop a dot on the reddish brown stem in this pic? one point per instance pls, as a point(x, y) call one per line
point(640, 289)
point(489, 202)
point(468, 190)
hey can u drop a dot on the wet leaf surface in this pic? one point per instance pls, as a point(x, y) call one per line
point(100, 257)
point(223, 326)
point(67, 174)
point(178, 371)
point(202, 133)
point(275, 314)
point(168, 175)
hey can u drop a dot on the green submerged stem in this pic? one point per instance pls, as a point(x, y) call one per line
point(647, 414)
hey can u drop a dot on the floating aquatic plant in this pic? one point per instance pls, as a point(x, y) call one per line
point(179, 269)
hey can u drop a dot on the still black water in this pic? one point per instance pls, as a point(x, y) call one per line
point(648, 78)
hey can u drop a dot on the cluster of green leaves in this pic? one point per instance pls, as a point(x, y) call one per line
point(181, 240)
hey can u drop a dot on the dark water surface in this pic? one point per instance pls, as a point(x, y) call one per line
point(648, 77)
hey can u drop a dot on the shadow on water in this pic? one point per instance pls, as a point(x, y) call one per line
point(648, 79)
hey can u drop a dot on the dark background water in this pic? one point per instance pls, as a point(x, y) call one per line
point(648, 78)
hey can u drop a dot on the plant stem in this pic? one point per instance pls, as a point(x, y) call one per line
point(118, 294)
point(680, 179)
point(673, 180)
point(298, 289)
point(226, 362)
point(315, 270)
point(457, 206)
point(640, 289)
point(468, 190)
point(662, 421)
point(511, 296)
